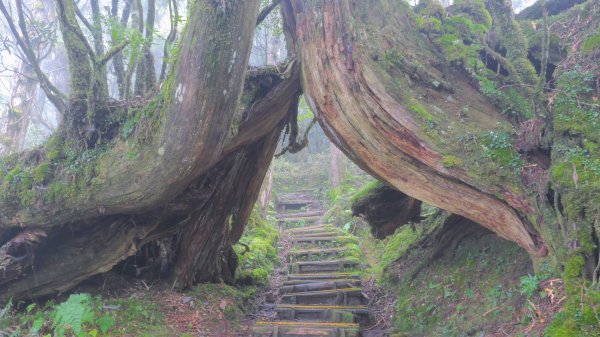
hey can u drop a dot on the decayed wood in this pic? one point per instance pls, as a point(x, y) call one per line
point(375, 129)
point(386, 209)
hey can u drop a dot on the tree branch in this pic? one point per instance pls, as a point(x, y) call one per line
point(54, 95)
point(83, 19)
point(266, 11)
point(112, 52)
point(174, 17)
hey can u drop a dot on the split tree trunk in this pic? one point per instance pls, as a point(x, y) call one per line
point(200, 158)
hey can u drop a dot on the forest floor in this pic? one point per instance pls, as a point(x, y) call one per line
point(485, 287)
point(138, 308)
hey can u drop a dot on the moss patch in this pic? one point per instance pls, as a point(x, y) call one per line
point(257, 251)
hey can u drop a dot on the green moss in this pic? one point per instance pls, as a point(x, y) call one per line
point(257, 253)
point(366, 190)
point(420, 110)
point(578, 318)
point(40, 173)
point(451, 161)
point(58, 191)
point(591, 43)
point(497, 146)
point(442, 298)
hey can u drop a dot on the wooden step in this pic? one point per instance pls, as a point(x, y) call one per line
point(298, 230)
point(351, 281)
point(309, 228)
point(322, 276)
point(305, 214)
point(318, 239)
point(321, 313)
point(343, 296)
point(315, 286)
point(304, 329)
point(313, 234)
point(303, 267)
point(318, 251)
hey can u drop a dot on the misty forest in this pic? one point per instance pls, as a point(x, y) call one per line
point(294, 168)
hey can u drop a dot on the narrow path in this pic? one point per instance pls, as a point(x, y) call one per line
point(321, 295)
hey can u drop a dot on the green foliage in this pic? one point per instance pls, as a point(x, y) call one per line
point(529, 285)
point(579, 317)
point(40, 173)
point(451, 161)
point(591, 43)
point(78, 315)
point(449, 295)
point(366, 190)
point(497, 146)
point(257, 252)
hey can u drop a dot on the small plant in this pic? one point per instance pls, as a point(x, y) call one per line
point(529, 285)
point(77, 315)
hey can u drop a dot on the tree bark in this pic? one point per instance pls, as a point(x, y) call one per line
point(368, 117)
point(265, 193)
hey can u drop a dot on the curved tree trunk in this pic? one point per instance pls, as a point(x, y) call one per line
point(364, 108)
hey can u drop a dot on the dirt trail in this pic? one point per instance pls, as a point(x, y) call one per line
point(321, 294)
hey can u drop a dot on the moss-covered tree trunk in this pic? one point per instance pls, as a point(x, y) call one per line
point(358, 76)
point(189, 167)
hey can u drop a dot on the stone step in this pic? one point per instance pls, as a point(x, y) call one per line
point(304, 329)
point(302, 267)
point(311, 285)
point(343, 296)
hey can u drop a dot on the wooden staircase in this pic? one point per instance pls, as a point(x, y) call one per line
point(321, 295)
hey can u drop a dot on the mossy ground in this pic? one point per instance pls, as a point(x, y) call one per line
point(140, 311)
point(474, 290)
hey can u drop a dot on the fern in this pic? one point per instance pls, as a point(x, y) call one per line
point(105, 323)
point(529, 284)
point(72, 315)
